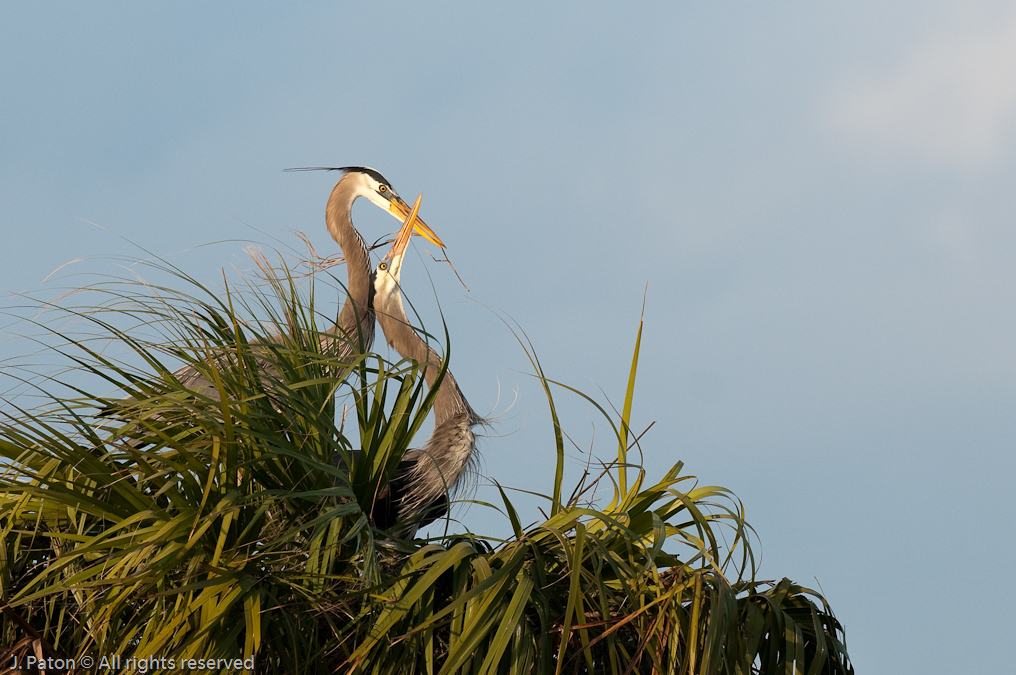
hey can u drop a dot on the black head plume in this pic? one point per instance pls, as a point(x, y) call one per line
point(347, 169)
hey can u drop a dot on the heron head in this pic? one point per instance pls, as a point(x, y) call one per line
point(386, 276)
point(367, 182)
point(363, 181)
point(389, 269)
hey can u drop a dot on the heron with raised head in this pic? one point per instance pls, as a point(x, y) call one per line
point(418, 493)
point(354, 330)
point(355, 327)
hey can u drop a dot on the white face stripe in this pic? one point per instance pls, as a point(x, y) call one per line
point(378, 201)
point(386, 283)
point(367, 186)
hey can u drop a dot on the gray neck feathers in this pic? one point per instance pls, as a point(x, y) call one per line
point(448, 455)
point(356, 320)
point(400, 335)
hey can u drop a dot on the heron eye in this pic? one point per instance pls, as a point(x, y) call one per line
point(383, 266)
point(383, 188)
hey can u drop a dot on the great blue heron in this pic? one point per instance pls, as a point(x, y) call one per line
point(354, 330)
point(420, 486)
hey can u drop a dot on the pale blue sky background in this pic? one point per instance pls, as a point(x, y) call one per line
point(820, 196)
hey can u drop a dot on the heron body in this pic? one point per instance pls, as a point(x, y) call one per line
point(425, 476)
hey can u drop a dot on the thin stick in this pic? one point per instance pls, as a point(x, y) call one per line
point(453, 269)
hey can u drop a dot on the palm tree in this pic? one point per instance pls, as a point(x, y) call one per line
point(185, 526)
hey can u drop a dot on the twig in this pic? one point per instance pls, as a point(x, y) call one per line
point(453, 269)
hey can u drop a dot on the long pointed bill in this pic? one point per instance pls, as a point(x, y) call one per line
point(408, 230)
point(400, 210)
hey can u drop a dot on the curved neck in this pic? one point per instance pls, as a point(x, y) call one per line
point(360, 287)
point(400, 335)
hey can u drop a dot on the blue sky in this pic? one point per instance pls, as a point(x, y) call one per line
point(819, 197)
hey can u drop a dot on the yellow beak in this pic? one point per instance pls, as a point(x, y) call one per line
point(401, 211)
point(410, 227)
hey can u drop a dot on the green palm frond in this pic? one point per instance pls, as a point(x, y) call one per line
point(161, 520)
